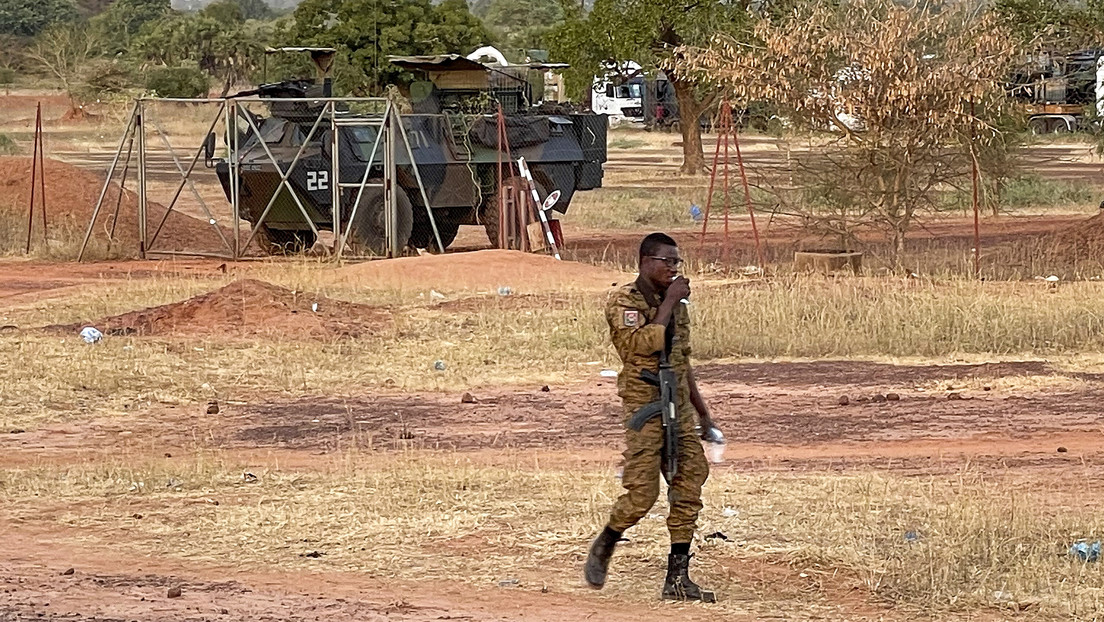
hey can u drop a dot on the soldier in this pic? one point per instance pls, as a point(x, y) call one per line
point(645, 317)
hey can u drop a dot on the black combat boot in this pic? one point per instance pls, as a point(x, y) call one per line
point(679, 586)
point(597, 563)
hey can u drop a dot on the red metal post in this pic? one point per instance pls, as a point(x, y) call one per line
point(34, 171)
point(977, 208)
point(42, 160)
point(747, 198)
point(727, 112)
point(712, 181)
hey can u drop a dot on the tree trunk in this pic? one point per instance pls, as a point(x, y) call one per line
point(899, 230)
point(690, 111)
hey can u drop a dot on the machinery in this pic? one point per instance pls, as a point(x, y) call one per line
point(1058, 89)
point(453, 139)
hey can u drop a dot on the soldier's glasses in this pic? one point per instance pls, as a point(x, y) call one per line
point(672, 262)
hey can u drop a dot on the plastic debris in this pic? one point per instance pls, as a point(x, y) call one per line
point(1085, 551)
point(503, 290)
point(436, 295)
point(439, 365)
point(912, 536)
point(696, 213)
point(730, 512)
point(90, 334)
point(608, 373)
point(314, 307)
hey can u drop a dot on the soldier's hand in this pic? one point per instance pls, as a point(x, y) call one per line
point(679, 288)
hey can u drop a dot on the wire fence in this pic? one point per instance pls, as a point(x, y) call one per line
point(275, 175)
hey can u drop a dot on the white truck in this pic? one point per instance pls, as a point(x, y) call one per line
point(619, 93)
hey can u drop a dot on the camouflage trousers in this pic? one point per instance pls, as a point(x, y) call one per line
point(643, 459)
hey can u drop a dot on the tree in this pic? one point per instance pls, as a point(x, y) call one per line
point(520, 25)
point(63, 51)
point(907, 90)
point(123, 20)
point(648, 32)
point(237, 11)
point(365, 32)
point(27, 18)
point(224, 48)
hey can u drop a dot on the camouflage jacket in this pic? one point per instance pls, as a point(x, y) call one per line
point(629, 312)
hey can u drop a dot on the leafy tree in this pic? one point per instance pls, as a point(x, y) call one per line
point(256, 9)
point(366, 32)
point(186, 81)
point(648, 32)
point(27, 18)
point(63, 51)
point(915, 94)
point(224, 11)
point(237, 11)
point(88, 8)
point(122, 21)
point(103, 79)
point(226, 49)
point(521, 25)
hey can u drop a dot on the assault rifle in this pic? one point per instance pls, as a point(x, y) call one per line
point(666, 407)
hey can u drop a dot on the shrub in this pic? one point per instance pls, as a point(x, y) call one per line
point(177, 82)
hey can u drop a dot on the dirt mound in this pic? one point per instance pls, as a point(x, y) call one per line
point(1079, 241)
point(71, 195)
point(249, 307)
point(485, 270)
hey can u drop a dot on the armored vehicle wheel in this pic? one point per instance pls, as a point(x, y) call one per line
point(489, 215)
point(285, 241)
point(367, 233)
point(422, 236)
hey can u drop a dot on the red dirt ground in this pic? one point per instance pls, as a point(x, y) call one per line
point(71, 195)
point(248, 307)
point(484, 270)
point(780, 417)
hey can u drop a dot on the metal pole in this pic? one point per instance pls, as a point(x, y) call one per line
point(119, 200)
point(727, 112)
point(232, 164)
point(421, 186)
point(140, 127)
point(186, 180)
point(747, 198)
point(501, 193)
point(34, 170)
point(364, 178)
point(977, 207)
point(390, 222)
point(335, 177)
point(127, 133)
point(42, 161)
point(284, 174)
point(712, 180)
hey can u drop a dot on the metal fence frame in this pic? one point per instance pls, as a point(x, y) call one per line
point(391, 134)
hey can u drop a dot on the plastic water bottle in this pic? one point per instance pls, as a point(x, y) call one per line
point(713, 441)
point(695, 213)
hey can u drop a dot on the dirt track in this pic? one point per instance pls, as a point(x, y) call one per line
point(780, 417)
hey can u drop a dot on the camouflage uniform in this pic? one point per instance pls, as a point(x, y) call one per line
point(638, 341)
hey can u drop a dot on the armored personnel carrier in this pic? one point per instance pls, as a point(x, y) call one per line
point(453, 136)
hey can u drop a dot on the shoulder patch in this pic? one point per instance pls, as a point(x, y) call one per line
point(631, 318)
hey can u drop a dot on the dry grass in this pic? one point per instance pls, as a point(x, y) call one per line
point(1018, 383)
point(494, 341)
point(957, 544)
